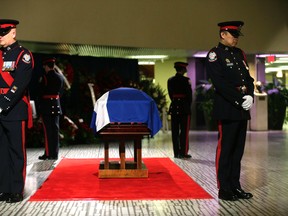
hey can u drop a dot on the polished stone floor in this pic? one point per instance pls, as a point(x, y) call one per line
point(264, 173)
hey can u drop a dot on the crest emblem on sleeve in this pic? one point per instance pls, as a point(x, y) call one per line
point(26, 58)
point(212, 56)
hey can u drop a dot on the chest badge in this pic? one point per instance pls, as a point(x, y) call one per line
point(229, 63)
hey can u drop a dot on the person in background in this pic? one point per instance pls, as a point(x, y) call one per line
point(180, 93)
point(234, 91)
point(16, 65)
point(49, 107)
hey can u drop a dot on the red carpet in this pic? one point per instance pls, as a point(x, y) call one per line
point(77, 179)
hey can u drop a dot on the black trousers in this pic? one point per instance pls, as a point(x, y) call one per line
point(180, 126)
point(230, 149)
point(12, 156)
point(51, 134)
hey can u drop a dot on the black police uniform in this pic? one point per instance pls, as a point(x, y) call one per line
point(16, 64)
point(180, 93)
point(229, 72)
point(51, 87)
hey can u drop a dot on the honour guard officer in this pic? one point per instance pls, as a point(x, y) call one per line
point(49, 107)
point(228, 69)
point(16, 65)
point(180, 93)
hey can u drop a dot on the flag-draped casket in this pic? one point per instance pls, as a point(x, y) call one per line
point(126, 105)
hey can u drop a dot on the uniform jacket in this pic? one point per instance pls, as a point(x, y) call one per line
point(180, 93)
point(18, 63)
point(51, 87)
point(228, 70)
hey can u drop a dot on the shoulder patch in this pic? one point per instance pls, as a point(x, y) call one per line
point(212, 56)
point(26, 58)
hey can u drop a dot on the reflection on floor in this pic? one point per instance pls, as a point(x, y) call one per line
point(264, 173)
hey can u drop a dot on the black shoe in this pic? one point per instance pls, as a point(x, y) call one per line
point(183, 156)
point(53, 158)
point(241, 194)
point(178, 156)
point(14, 197)
point(187, 156)
point(4, 196)
point(44, 157)
point(227, 195)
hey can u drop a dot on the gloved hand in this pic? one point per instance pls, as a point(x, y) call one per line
point(247, 104)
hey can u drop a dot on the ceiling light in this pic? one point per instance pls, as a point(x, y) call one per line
point(283, 67)
point(271, 69)
point(146, 63)
point(266, 55)
point(283, 59)
point(156, 57)
point(200, 54)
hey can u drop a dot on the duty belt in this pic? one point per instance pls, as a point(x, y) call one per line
point(50, 96)
point(178, 95)
point(242, 89)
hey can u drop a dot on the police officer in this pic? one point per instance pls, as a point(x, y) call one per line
point(228, 69)
point(16, 65)
point(180, 93)
point(51, 87)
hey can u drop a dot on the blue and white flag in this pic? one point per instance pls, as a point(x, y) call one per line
point(126, 105)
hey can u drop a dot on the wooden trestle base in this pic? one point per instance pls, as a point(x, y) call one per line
point(123, 168)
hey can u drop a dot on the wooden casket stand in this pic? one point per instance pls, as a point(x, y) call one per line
point(123, 169)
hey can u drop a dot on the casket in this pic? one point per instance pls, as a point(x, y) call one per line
point(124, 114)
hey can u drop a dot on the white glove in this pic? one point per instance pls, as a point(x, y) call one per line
point(247, 104)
